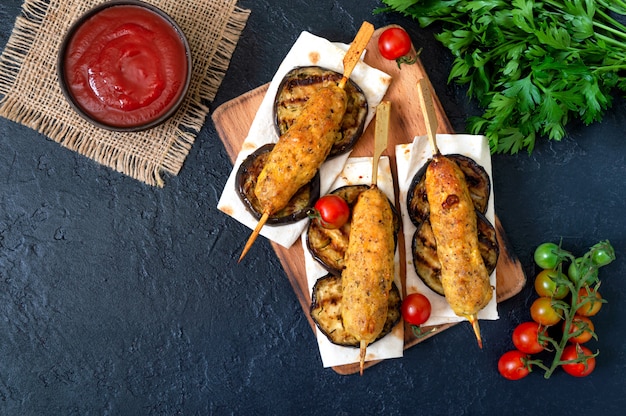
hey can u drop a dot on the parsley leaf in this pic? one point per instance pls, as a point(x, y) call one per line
point(532, 65)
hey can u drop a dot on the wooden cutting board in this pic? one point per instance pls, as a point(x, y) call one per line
point(233, 119)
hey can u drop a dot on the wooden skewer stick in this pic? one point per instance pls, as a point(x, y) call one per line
point(381, 136)
point(349, 62)
point(473, 319)
point(353, 55)
point(362, 351)
point(254, 235)
point(430, 116)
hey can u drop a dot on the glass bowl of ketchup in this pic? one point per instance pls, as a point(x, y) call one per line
point(125, 66)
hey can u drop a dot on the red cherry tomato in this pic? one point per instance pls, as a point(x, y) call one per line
point(526, 337)
point(586, 364)
point(332, 211)
point(416, 309)
point(583, 325)
point(543, 312)
point(395, 44)
point(593, 302)
point(513, 365)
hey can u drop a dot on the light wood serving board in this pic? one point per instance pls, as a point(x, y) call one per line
point(233, 119)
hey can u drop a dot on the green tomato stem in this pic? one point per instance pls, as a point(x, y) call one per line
point(420, 333)
point(569, 317)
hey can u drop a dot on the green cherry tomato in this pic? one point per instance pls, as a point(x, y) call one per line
point(602, 257)
point(546, 284)
point(545, 255)
point(574, 272)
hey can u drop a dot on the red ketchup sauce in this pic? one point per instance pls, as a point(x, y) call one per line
point(126, 66)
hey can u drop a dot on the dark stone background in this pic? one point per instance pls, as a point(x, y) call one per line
point(119, 298)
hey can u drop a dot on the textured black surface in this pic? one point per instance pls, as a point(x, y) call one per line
point(121, 299)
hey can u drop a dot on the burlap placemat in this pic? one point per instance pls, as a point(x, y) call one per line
point(31, 94)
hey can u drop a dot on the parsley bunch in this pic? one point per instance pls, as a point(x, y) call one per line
point(532, 65)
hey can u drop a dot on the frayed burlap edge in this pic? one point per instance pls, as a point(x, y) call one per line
point(79, 135)
point(195, 116)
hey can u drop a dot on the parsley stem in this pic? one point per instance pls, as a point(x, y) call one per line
point(614, 5)
point(622, 29)
point(610, 40)
point(610, 68)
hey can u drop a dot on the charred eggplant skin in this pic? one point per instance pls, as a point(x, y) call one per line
point(327, 246)
point(246, 178)
point(296, 88)
point(326, 311)
point(477, 180)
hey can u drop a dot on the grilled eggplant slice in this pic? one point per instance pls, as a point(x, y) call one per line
point(296, 88)
point(246, 179)
point(326, 311)
point(477, 181)
point(328, 246)
point(424, 248)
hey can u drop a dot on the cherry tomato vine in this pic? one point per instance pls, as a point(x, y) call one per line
point(569, 314)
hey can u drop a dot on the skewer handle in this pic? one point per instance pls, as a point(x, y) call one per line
point(353, 55)
point(381, 136)
point(430, 116)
